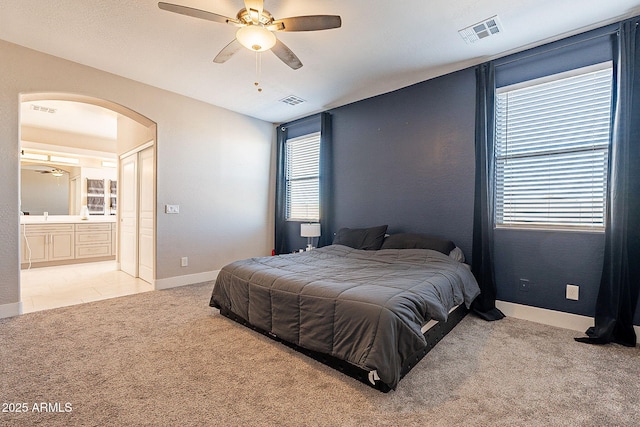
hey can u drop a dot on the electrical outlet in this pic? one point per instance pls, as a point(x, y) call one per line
point(172, 209)
point(573, 292)
point(524, 285)
point(184, 261)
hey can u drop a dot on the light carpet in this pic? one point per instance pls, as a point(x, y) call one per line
point(165, 358)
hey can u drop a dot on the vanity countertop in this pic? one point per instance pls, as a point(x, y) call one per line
point(66, 219)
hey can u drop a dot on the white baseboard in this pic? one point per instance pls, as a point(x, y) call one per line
point(575, 322)
point(188, 279)
point(10, 310)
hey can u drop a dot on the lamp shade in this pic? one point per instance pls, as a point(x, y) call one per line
point(310, 230)
point(256, 38)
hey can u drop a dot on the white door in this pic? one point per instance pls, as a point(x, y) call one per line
point(146, 214)
point(128, 227)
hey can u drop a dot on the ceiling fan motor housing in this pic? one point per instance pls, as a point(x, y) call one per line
point(246, 17)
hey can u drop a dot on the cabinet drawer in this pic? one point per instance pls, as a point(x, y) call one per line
point(93, 251)
point(93, 237)
point(48, 228)
point(93, 227)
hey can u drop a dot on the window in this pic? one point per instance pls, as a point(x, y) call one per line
point(551, 150)
point(302, 174)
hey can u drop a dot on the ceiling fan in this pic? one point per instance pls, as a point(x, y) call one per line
point(256, 28)
point(52, 171)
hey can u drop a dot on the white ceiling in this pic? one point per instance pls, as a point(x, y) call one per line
point(382, 45)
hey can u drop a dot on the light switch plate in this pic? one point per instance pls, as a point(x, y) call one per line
point(172, 209)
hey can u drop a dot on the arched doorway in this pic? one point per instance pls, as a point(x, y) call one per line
point(133, 132)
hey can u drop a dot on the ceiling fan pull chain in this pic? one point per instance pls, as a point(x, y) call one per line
point(258, 70)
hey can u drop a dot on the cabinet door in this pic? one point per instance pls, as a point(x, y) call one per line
point(114, 242)
point(35, 248)
point(95, 196)
point(61, 246)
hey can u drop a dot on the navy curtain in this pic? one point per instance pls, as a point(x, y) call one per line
point(281, 229)
point(620, 282)
point(483, 218)
point(326, 192)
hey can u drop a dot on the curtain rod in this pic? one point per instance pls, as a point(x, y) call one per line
point(499, 63)
point(606, 34)
point(316, 116)
point(613, 30)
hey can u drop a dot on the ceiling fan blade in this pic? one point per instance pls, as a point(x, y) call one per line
point(227, 52)
point(255, 8)
point(307, 23)
point(286, 55)
point(196, 13)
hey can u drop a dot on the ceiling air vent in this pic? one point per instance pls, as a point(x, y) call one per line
point(481, 30)
point(35, 107)
point(292, 100)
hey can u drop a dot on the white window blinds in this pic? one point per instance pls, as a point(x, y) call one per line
point(302, 174)
point(551, 150)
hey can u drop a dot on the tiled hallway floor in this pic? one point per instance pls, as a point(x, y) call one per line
point(50, 287)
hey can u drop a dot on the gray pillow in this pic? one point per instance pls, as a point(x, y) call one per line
point(369, 239)
point(417, 241)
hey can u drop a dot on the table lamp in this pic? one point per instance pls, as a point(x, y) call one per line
point(310, 231)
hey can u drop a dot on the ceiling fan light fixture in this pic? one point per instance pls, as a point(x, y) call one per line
point(256, 38)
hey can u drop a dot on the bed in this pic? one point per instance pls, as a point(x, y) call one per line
point(363, 311)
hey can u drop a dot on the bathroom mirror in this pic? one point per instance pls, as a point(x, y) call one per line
point(44, 188)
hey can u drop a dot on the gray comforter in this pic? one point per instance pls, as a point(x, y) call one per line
point(365, 307)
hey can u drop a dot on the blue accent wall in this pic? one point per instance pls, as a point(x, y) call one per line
point(406, 159)
point(549, 260)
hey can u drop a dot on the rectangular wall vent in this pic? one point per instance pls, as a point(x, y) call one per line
point(292, 100)
point(35, 107)
point(481, 30)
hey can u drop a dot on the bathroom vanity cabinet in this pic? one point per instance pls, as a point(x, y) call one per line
point(66, 241)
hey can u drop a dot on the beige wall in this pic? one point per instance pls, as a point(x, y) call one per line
point(216, 164)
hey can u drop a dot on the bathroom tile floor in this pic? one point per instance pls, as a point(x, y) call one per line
point(51, 287)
